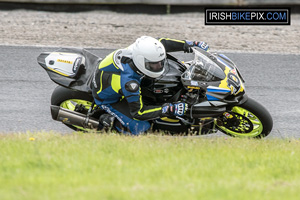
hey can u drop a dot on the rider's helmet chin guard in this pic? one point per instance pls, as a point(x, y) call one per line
point(149, 56)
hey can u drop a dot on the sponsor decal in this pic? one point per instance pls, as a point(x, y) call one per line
point(193, 87)
point(65, 61)
point(158, 91)
point(132, 86)
point(65, 120)
point(228, 116)
point(233, 71)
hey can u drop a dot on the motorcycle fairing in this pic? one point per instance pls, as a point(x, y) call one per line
point(216, 93)
point(66, 64)
point(232, 82)
point(70, 67)
point(232, 86)
point(225, 84)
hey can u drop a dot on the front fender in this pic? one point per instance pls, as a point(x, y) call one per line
point(241, 101)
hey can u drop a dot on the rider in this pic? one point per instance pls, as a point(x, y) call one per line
point(116, 83)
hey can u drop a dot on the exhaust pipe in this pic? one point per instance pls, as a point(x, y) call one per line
point(73, 118)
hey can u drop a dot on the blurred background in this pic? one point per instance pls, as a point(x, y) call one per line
point(140, 6)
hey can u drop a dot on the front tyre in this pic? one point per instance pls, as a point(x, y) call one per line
point(249, 119)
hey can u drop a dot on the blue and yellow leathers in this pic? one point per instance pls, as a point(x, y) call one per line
point(118, 80)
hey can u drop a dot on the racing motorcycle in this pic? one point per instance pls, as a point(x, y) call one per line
point(210, 84)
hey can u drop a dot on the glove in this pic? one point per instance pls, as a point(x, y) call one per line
point(187, 47)
point(174, 109)
point(202, 45)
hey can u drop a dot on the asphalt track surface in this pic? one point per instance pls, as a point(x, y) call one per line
point(25, 89)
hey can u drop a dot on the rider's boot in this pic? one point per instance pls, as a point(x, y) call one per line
point(106, 122)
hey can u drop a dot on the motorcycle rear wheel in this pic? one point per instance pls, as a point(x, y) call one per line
point(252, 120)
point(68, 99)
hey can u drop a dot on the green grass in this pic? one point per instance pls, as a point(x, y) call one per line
point(94, 166)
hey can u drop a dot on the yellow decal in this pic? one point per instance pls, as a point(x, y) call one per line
point(224, 81)
point(58, 72)
point(194, 87)
point(65, 61)
point(65, 120)
point(169, 120)
point(234, 81)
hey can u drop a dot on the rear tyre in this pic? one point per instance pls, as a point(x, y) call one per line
point(61, 94)
point(250, 119)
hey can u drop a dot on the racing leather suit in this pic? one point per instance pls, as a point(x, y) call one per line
point(116, 89)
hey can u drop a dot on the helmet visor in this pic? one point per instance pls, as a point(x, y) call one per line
point(155, 66)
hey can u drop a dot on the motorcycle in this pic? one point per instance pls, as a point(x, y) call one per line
point(211, 84)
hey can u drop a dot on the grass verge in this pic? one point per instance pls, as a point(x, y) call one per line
point(93, 166)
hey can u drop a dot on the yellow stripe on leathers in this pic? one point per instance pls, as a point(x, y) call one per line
point(100, 83)
point(108, 60)
point(181, 41)
point(116, 82)
point(146, 111)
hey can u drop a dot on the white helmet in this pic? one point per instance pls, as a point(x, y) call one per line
point(149, 56)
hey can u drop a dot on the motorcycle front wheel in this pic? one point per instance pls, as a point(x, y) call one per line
point(249, 119)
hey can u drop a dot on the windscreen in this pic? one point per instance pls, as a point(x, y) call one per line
point(203, 69)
